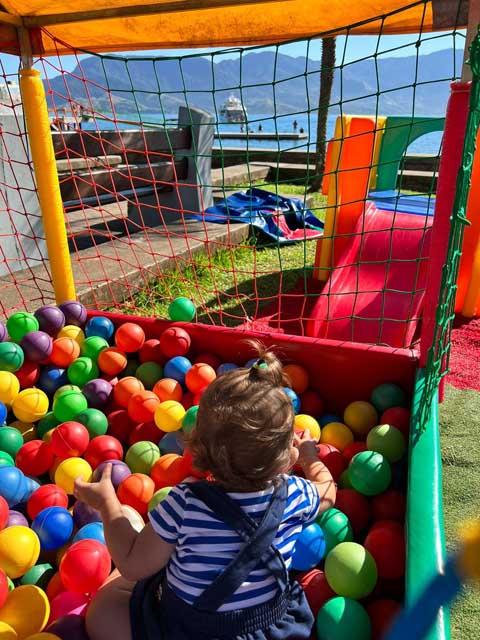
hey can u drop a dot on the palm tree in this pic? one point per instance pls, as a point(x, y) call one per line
point(327, 70)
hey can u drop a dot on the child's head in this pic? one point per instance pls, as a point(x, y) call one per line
point(244, 426)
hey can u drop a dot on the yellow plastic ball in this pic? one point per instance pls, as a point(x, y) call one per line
point(303, 422)
point(360, 417)
point(27, 429)
point(9, 387)
point(169, 415)
point(73, 332)
point(43, 635)
point(7, 632)
point(19, 551)
point(337, 434)
point(470, 550)
point(26, 610)
point(30, 405)
point(69, 470)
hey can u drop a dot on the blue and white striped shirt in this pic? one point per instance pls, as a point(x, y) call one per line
point(205, 545)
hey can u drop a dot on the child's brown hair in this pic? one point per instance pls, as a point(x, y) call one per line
point(244, 426)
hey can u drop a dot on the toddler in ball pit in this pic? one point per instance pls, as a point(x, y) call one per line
point(213, 561)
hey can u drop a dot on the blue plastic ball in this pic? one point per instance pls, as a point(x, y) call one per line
point(171, 443)
point(294, 398)
point(99, 326)
point(92, 531)
point(177, 368)
point(13, 485)
point(53, 526)
point(3, 413)
point(309, 548)
point(31, 486)
point(327, 418)
point(51, 379)
point(226, 366)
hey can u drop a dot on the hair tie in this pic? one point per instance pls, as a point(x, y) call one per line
point(260, 364)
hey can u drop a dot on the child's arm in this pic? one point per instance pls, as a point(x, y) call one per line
point(315, 470)
point(136, 555)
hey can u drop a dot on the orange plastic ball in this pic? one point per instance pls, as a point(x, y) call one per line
point(129, 337)
point(136, 491)
point(64, 351)
point(125, 389)
point(112, 361)
point(141, 406)
point(298, 377)
point(168, 389)
point(169, 470)
point(199, 376)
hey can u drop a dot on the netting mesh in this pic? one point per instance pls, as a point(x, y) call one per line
point(146, 146)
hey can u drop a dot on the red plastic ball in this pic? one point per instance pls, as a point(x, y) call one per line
point(3, 588)
point(352, 450)
point(136, 491)
point(332, 459)
point(4, 512)
point(386, 543)
point(48, 495)
point(316, 588)
point(141, 406)
point(145, 431)
point(188, 400)
point(125, 389)
point(398, 417)
point(175, 341)
point(382, 613)
point(199, 376)
point(28, 374)
point(69, 440)
point(129, 337)
point(311, 403)
point(103, 448)
point(390, 505)
point(355, 507)
point(34, 458)
point(55, 586)
point(120, 425)
point(151, 352)
point(208, 358)
point(85, 566)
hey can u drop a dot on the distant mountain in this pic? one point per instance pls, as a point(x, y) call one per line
point(270, 84)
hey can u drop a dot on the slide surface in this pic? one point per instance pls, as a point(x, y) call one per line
point(375, 293)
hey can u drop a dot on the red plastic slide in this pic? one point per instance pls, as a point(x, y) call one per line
point(375, 293)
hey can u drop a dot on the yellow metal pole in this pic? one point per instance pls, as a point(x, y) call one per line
point(46, 176)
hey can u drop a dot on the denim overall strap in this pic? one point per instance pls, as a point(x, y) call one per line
point(257, 548)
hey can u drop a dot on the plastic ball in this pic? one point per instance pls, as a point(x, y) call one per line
point(85, 566)
point(39, 575)
point(3, 512)
point(92, 347)
point(3, 332)
point(27, 429)
point(54, 586)
point(133, 517)
point(92, 531)
point(120, 471)
point(177, 368)
point(386, 543)
point(50, 319)
point(48, 495)
point(10, 440)
point(189, 419)
point(16, 519)
point(144, 431)
point(344, 480)
point(64, 351)
point(226, 366)
point(302, 422)
point(175, 341)
point(171, 443)
point(199, 376)
point(351, 570)
point(69, 440)
point(360, 417)
point(151, 352)
point(103, 448)
point(207, 358)
point(34, 458)
point(84, 514)
point(157, 497)
point(30, 405)
point(31, 486)
point(181, 310)
point(120, 425)
point(3, 589)
point(97, 392)
point(168, 389)
point(294, 398)
point(112, 361)
point(99, 326)
point(69, 627)
point(19, 550)
point(68, 405)
point(332, 459)
point(82, 370)
point(298, 377)
point(12, 485)
point(28, 374)
point(336, 434)
point(327, 418)
point(21, 323)
point(26, 610)
point(316, 589)
point(141, 406)
point(11, 356)
point(37, 346)
point(369, 473)
point(169, 415)
point(68, 604)
point(396, 416)
point(53, 526)
point(69, 470)
point(74, 312)
point(335, 528)
point(343, 619)
point(352, 450)
point(141, 457)
point(129, 337)
point(388, 395)
point(309, 548)
point(136, 491)
point(169, 470)
point(9, 387)
point(149, 373)
point(7, 632)
point(382, 614)
point(52, 378)
point(311, 403)
point(355, 506)
point(72, 331)
point(6, 459)
point(125, 389)
point(388, 441)
point(390, 505)
point(94, 420)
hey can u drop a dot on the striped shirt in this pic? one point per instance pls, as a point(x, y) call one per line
point(205, 545)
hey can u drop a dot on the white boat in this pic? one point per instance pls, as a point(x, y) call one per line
point(233, 111)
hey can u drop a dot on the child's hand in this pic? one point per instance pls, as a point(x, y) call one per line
point(96, 494)
point(306, 445)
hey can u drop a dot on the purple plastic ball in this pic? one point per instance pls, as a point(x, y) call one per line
point(16, 519)
point(70, 627)
point(74, 312)
point(3, 332)
point(97, 392)
point(50, 319)
point(119, 471)
point(37, 345)
point(83, 514)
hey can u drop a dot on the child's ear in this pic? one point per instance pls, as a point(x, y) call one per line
point(293, 456)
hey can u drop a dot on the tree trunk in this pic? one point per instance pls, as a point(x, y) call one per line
point(327, 70)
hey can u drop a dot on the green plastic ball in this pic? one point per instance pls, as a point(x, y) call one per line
point(11, 585)
point(181, 310)
point(370, 473)
point(10, 440)
point(94, 420)
point(21, 323)
point(343, 619)
point(189, 419)
point(49, 421)
point(11, 356)
point(158, 496)
point(6, 459)
point(130, 369)
point(388, 395)
point(149, 373)
point(351, 570)
point(39, 575)
point(66, 387)
point(344, 480)
point(388, 441)
point(82, 370)
point(336, 528)
point(69, 404)
point(92, 347)
point(141, 456)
